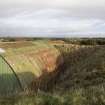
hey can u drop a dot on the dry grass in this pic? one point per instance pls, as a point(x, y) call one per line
point(81, 80)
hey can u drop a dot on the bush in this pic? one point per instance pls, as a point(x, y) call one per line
point(88, 42)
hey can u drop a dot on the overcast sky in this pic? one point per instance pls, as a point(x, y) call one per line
point(61, 18)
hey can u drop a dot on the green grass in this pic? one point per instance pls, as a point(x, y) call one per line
point(82, 96)
point(8, 81)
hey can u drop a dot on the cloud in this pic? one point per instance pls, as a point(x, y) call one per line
point(47, 22)
point(56, 17)
point(54, 3)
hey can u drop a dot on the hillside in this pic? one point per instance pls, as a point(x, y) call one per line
point(83, 66)
point(80, 80)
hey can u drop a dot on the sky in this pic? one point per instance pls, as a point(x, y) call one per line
point(52, 18)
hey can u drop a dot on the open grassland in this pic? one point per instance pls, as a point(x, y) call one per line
point(80, 80)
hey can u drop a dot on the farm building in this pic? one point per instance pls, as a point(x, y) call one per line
point(22, 63)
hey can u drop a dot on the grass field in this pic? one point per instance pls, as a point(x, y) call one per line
point(81, 80)
point(89, 96)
